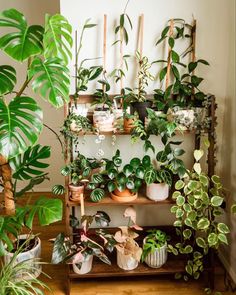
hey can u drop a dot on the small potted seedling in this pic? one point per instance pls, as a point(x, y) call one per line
point(155, 248)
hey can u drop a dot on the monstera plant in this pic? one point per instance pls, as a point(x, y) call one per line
point(46, 51)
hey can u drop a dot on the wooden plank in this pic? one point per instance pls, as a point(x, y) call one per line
point(141, 200)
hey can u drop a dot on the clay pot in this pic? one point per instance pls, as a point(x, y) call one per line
point(76, 191)
point(124, 196)
point(157, 191)
point(128, 125)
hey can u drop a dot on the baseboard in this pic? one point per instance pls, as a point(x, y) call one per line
point(227, 266)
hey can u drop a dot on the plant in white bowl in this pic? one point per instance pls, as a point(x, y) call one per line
point(155, 248)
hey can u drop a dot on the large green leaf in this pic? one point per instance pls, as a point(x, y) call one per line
point(51, 80)
point(47, 210)
point(7, 79)
point(21, 124)
point(29, 164)
point(23, 41)
point(57, 38)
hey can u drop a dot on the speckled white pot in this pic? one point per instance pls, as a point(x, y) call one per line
point(157, 258)
point(157, 191)
point(103, 120)
point(85, 267)
point(126, 262)
point(33, 253)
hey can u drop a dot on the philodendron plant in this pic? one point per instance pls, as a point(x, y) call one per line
point(198, 205)
point(46, 51)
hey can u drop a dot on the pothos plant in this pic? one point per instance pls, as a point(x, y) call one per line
point(46, 50)
point(83, 244)
point(198, 205)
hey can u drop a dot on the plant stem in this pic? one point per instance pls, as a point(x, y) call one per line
point(57, 136)
point(27, 80)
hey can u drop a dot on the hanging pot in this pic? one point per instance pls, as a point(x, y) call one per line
point(157, 258)
point(157, 191)
point(35, 252)
point(86, 265)
point(124, 196)
point(76, 191)
point(141, 109)
point(103, 120)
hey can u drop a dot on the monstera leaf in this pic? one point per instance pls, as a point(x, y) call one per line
point(47, 210)
point(57, 38)
point(29, 164)
point(21, 124)
point(7, 79)
point(51, 81)
point(23, 41)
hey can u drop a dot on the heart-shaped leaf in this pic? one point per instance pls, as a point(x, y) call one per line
point(198, 154)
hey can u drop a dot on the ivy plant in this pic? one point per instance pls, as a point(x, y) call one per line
point(199, 201)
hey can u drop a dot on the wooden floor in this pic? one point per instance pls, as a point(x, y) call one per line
point(123, 286)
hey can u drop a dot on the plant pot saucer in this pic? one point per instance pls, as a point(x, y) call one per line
point(124, 199)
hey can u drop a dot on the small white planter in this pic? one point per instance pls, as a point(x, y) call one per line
point(103, 120)
point(126, 262)
point(157, 258)
point(33, 253)
point(85, 267)
point(157, 191)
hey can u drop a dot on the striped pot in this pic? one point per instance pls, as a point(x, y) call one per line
point(157, 258)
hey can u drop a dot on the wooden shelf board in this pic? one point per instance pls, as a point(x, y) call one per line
point(141, 200)
point(101, 269)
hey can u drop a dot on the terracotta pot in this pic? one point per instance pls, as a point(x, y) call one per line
point(125, 196)
point(85, 267)
point(76, 191)
point(157, 191)
point(27, 255)
point(128, 125)
point(157, 258)
point(103, 120)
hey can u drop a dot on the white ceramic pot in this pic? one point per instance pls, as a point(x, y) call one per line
point(184, 118)
point(157, 258)
point(85, 267)
point(33, 253)
point(103, 120)
point(126, 262)
point(157, 191)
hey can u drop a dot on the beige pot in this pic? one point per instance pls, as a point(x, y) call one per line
point(103, 120)
point(85, 267)
point(157, 258)
point(157, 191)
point(126, 262)
point(76, 191)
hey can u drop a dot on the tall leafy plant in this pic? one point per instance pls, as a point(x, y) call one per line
point(46, 50)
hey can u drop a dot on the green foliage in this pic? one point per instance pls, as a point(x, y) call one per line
point(51, 80)
point(23, 41)
point(57, 38)
point(85, 75)
point(101, 95)
point(7, 79)
point(29, 164)
point(198, 199)
point(154, 241)
point(21, 124)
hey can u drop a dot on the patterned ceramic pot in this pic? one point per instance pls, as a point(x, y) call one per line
point(85, 267)
point(157, 258)
point(126, 262)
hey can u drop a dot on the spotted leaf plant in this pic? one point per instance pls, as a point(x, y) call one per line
point(199, 200)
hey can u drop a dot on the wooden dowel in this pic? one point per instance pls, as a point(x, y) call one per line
point(121, 57)
point(171, 32)
point(104, 42)
point(141, 35)
point(82, 210)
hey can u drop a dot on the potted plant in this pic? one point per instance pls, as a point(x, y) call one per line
point(17, 277)
point(74, 124)
point(80, 170)
point(103, 118)
point(124, 183)
point(129, 121)
point(80, 251)
point(137, 98)
point(155, 248)
point(199, 201)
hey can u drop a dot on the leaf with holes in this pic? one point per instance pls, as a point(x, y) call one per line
point(51, 80)
point(57, 38)
point(22, 41)
point(7, 79)
point(30, 163)
point(21, 124)
point(97, 195)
